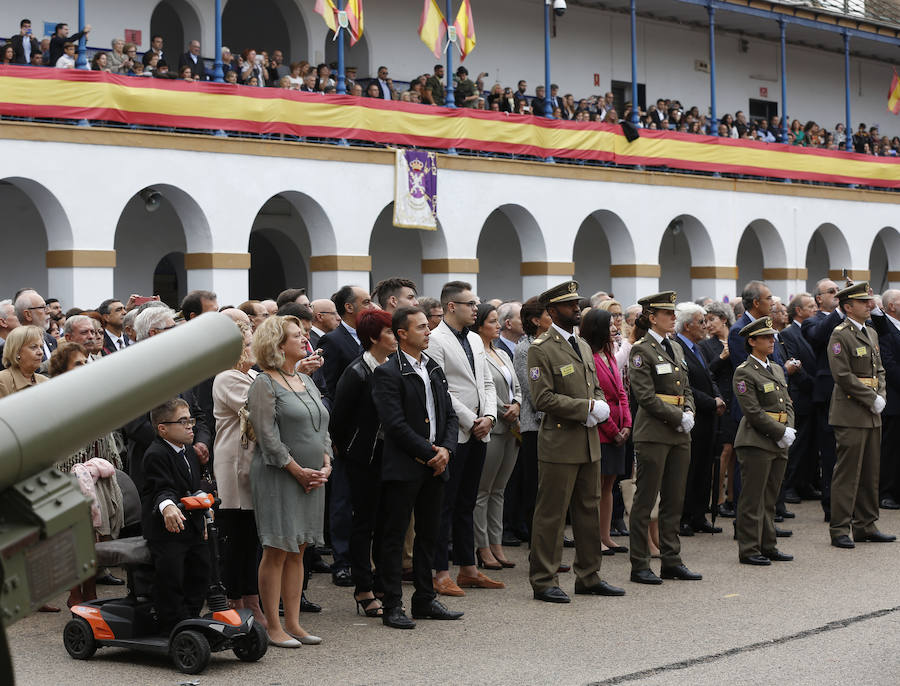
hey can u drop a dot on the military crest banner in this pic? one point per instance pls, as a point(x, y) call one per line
point(415, 190)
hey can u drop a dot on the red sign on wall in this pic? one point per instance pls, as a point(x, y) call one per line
point(133, 36)
point(763, 92)
point(596, 79)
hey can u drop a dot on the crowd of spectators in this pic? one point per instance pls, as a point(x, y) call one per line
point(260, 68)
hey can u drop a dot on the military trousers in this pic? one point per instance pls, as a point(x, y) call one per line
point(563, 487)
point(761, 474)
point(854, 484)
point(662, 469)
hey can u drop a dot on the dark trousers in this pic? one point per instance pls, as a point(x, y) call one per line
point(180, 580)
point(803, 455)
point(699, 481)
point(368, 521)
point(889, 481)
point(459, 503)
point(825, 435)
point(521, 491)
point(239, 564)
point(401, 499)
point(340, 516)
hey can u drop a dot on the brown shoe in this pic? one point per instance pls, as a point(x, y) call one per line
point(478, 581)
point(447, 587)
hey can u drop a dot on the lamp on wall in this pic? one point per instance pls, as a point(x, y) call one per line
point(152, 199)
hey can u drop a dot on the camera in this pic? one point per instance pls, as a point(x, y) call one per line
point(559, 7)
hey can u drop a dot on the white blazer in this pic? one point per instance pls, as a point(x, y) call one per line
point(467, 393)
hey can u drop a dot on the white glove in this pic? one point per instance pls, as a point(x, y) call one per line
point(878, 407)
point(590, 421)
point(600, 412)
point(687, 422)
point(788, 439)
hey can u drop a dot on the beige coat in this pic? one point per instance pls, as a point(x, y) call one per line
point(232, 462)
point(12, 381)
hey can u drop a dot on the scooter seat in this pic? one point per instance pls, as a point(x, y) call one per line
point(124, 552)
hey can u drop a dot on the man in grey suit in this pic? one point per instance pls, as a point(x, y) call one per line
point(460, 353)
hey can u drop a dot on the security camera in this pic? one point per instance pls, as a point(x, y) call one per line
point(151, 199)
point(559, 7)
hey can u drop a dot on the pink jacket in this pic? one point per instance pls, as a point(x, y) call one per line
point(611, 383)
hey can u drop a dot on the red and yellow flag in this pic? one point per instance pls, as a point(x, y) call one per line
point(354, 11)
point(328, 11)
point(465, 30)
point(894, 95)
point(433, 28)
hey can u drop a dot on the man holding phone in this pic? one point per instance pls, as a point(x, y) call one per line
point(24, 44)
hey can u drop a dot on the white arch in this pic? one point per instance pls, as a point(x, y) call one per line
point(773, 248)
point(621, 243)
point(531, 238)
point(56, 222)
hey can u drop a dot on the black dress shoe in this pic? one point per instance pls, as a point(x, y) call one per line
point(810, 493)
point(435, 610)
point(783, 533)
point(758, 560)
point(778, 556)
point(397, 619)
point(889, 504)
point(679, 572)
point(685, 529)
point(785, 513)
point(110, 580)
point(704, 527)
point(778, 518)
point(875, 537)
point(307, 605)
point(554, 594)
point(511, 541)
point(319, 565)
point(600, 588)
point(619, 526)
point(726, 509)
point(791, 496)
point(568, 542)
point(619, 549)
point(564, 569)
point(608, 551)
point(341, 577)
point(842, 541)
point(645, 576)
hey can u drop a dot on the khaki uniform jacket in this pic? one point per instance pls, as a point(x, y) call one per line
point(650, 371)
point(561, 387)
point(759, 390)
point(852, 355)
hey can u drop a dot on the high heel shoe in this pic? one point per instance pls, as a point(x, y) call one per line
point(506, 564)
point(363, 607)
point(485, 565)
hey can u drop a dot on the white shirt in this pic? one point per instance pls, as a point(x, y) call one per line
point(659, 339)
point(65, 62)
point(119, 341)
point(764, 363)
point(419, 368)
point(859, 327)
point(562, 332)
point(352, 332)
point(316, 330)
point(192, 56)
point(26, 48)
point(168, 501)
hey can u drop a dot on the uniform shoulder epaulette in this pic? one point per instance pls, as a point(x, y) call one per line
point(540, 339)
point(841, 326)
point(743, 364)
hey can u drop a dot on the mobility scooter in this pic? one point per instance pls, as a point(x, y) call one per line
point(130, 622)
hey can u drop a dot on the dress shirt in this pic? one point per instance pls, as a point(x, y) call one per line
point(463, 338)
point(118, 340)
point(180, 450)
point(352, 332)
point(419, 368)
point(859, 327)
point(659, 339)
point(693, 348)
point(764, 363)
point(385, 90)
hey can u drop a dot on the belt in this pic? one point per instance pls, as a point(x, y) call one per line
point(778, 416)
point(869, 381)
point(671, 399)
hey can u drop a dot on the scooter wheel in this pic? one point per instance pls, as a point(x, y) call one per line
point(190, 651)
point(253, 646)
point(78, 638)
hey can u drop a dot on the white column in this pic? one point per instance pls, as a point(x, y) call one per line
point(231, 286)
point(84, 287)
point(324, 283)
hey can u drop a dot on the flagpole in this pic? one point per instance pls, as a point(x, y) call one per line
point(341, 79)
point(849, 130)
point(451, 98)
point(218, 71)
point(548, 106)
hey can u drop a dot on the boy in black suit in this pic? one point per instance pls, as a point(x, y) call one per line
point(176, 540)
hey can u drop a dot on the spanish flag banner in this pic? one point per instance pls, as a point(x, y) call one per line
point(328, 11)
point(354, 11)
point(465, 30)
point(894, 95)
point(74, 94)
point(433, 28)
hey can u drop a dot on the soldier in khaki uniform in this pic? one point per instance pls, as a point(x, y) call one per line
point(763, 437)
point(856, 405)
point(662, 439)
point(563, 384)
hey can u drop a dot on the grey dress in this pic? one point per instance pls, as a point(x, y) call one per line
point(285, 428)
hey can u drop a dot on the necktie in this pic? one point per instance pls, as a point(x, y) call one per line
point(668, 347)
point(120, 344)
point(575, 345)
point(699, 356)
point(186, 463)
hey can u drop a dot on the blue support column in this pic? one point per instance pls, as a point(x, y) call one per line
point(634, 88)
point(81, 60)
point(847, 89)
point(784, 109)
point(218, 71)
point(451, 97)
point(713, 122)
point(342, 78)
point(548, 108)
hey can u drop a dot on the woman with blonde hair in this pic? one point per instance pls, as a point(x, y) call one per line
point(290, 465)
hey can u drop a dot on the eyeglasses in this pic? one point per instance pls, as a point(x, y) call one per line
point(832, 291)
point(46, 307)
point(164, 328)
point(186, 422)
point(470, 303)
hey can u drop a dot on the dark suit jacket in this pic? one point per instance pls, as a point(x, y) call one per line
point(399, 395)
point(51, 342)
point(166, 477)
point(354, 420)
point(817, 332)
point(18, 41)
point(889, 342)
point(314, 339)
point(339, 349)
point(508, 347)
point(702, 384)
point(109, 346)
point(720, 370)
point(198, 70)
point(802, 382)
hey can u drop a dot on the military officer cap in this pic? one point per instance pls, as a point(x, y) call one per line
point(564, 292)
point(659, 301)
point(758, 327)
point(858, 291)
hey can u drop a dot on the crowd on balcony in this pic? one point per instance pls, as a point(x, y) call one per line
point(261, 69)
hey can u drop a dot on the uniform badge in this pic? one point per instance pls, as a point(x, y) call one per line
point(836, 348)
point(741, 387)
point(534, 373)
point(637, 361)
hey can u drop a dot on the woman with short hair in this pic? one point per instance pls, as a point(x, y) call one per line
point(23, 353)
